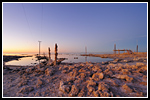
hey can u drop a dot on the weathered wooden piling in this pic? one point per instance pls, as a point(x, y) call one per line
point(55, 62)
point(137, 48)
point(49, 57)
point(114, 48)
point(49, 53)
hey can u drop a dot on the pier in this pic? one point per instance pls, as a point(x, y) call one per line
point(128, 50)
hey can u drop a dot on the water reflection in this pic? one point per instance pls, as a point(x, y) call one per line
point(85, 58)
point(70, 59)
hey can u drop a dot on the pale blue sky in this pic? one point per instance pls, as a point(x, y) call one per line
point(73, 26)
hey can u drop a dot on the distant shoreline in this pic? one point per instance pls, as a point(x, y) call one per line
point(7, 58)
point(122, 55)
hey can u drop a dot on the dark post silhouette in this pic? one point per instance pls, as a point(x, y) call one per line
point(114, 48)
point(137, 48)
point(49, 53)
point(55, 62)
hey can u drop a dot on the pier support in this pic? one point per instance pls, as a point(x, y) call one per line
point(114, 48)
point(55, 62)
point(137, 48)
point(49, 57)
point(49, 53)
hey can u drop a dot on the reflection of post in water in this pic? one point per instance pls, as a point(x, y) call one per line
point(39, 52)
point(85, 50)
point(85, 58)
point(85, 53)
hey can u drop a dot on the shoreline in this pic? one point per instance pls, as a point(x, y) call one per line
point(125, 76)
point(7, 58)
point(122, 55)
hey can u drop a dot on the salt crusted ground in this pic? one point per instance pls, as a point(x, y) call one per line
point(118, 78)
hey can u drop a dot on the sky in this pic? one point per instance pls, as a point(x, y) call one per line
point(98, 26)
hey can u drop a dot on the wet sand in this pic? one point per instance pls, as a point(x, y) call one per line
point(125, 76)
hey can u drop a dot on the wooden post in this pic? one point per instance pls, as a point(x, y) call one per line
point(49, 58)
point(39, 53)
point(114, 48)
point(137, 48)
point(49, 53)
point(55, 62)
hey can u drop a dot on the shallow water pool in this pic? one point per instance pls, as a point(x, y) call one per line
point(71, 58)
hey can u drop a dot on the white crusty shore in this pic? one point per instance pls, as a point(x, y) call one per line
point(118, 78)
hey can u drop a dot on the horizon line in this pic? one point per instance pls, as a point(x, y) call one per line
point(58, 53)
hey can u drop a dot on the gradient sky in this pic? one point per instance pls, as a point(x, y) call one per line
point(73, 26)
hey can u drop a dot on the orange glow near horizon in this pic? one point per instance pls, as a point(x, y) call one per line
point(31, 50)
point(18, 51)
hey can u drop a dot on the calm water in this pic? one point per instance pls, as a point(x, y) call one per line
point(71, 59)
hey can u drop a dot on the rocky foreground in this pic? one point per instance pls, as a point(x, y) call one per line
point(118, 78)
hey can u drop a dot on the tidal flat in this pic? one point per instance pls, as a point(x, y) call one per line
point(125, 76)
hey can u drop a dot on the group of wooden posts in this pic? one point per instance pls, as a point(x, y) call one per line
point(56, 54)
